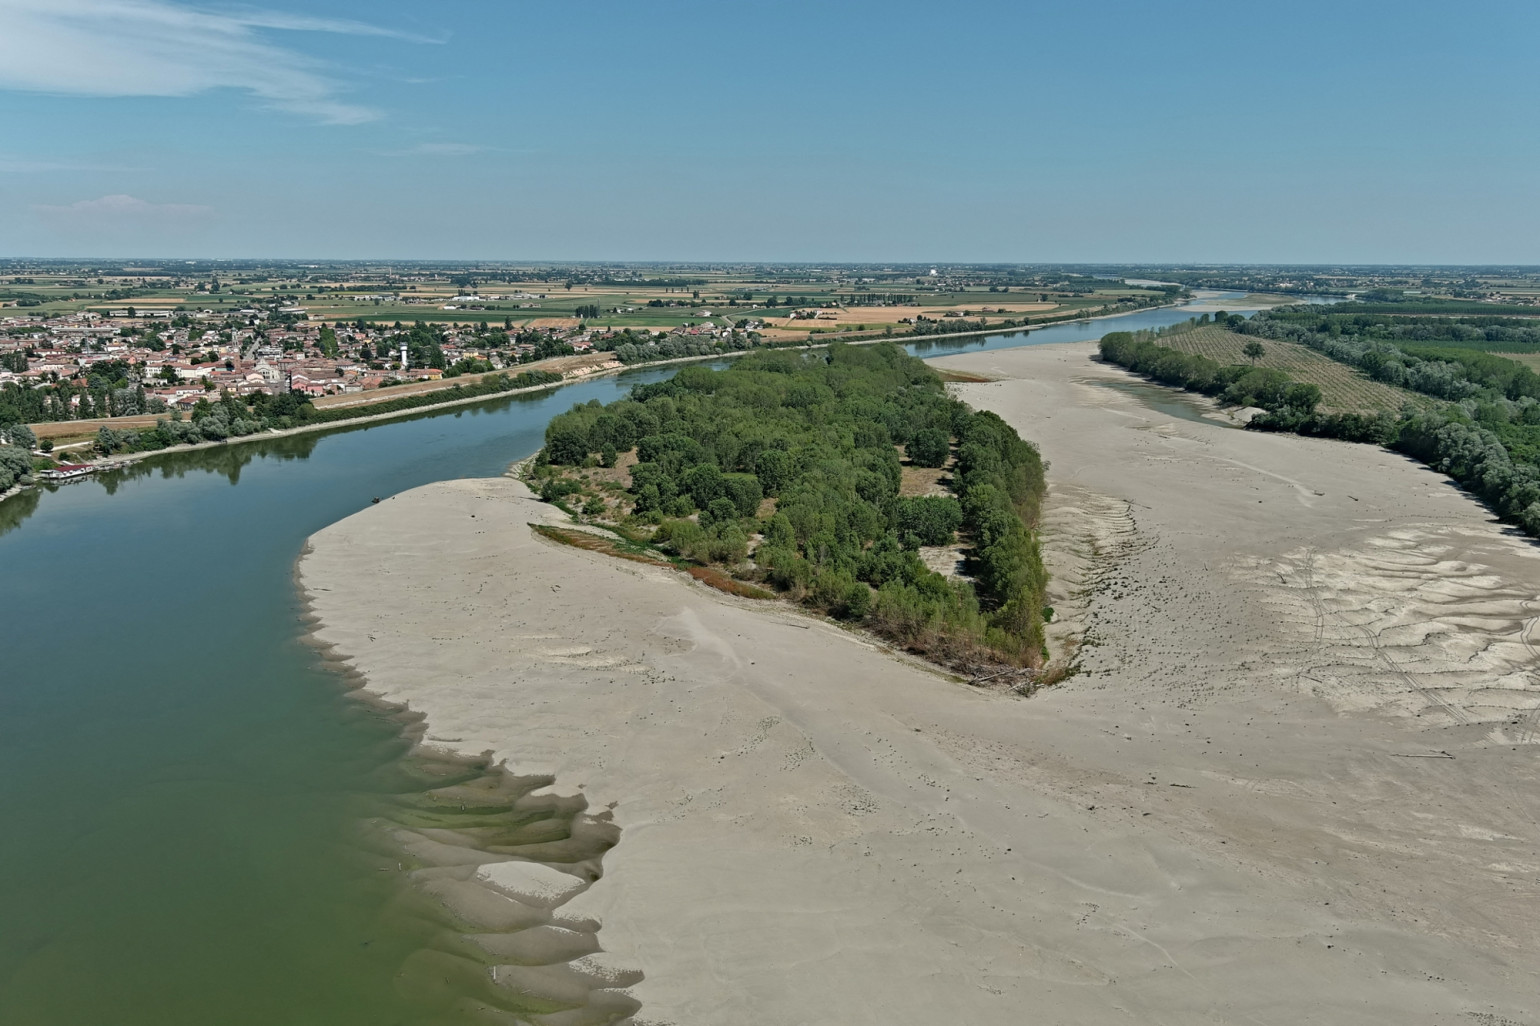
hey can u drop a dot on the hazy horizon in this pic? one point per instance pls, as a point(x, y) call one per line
point(811, 264)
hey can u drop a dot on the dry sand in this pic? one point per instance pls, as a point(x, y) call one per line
point(1230, 816)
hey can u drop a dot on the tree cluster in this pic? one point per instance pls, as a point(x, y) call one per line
point(237, 417)
point(674, 346)
point(109, 391)
point(818, 434)
point(15, 465)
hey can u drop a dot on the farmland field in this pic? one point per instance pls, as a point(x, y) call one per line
point(623, 297)
point(1530, 360)
point(1343, 389)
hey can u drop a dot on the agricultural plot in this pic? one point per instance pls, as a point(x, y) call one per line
point(1530, 360)
point(878, 298)
point(1343, 389)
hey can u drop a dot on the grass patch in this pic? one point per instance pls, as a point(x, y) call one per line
point(711, 577)
point(636, 553)
point(956, 375)
point(595, 543)
point(916, 481)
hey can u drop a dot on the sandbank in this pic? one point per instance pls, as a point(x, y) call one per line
point(1296, 781)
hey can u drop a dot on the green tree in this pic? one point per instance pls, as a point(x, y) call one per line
point(929, 447)
point(567, 443)
point(1253, 351)
point(1302, 397)
point(774, 468)
point(932, 518)
point(15, 464)
point(719, 510)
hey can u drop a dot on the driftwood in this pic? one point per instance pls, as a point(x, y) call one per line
point(1021, 687)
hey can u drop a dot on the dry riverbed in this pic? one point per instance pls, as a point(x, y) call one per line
point(1296, 781)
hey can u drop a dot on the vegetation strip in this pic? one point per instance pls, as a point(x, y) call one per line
point(1483, 430)
point(785, 470)
point(709, 576)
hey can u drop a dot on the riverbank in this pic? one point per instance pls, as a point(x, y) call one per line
point(127, 459)
point(1242, 808)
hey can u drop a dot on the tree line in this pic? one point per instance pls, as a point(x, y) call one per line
point(109, 391)
point(232, 416)
point(1232, 384)
point(643, 348)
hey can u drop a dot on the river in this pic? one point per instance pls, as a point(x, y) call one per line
point(184, 780)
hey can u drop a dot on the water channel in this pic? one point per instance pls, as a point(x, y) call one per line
point(183, 777)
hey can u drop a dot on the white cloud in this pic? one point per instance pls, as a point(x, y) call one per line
point(119, 209)
point(160, 48)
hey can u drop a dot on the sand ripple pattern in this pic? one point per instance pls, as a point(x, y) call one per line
point(1408, 624)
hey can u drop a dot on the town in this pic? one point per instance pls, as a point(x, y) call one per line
point(131, 362)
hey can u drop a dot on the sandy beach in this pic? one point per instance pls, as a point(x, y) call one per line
point(1295, 781)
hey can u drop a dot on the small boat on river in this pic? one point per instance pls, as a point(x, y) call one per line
point(67, 472)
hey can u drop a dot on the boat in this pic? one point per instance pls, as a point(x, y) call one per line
point(67, 472)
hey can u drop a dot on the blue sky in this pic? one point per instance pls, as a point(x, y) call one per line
point(961, 131)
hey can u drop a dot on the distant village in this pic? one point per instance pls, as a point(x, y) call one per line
point(178, 358)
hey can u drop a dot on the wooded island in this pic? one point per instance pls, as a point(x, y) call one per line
point(827, 477)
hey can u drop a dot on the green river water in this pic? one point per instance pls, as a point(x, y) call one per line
point(183, 776)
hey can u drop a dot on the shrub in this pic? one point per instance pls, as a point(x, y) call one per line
point(718, 511)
